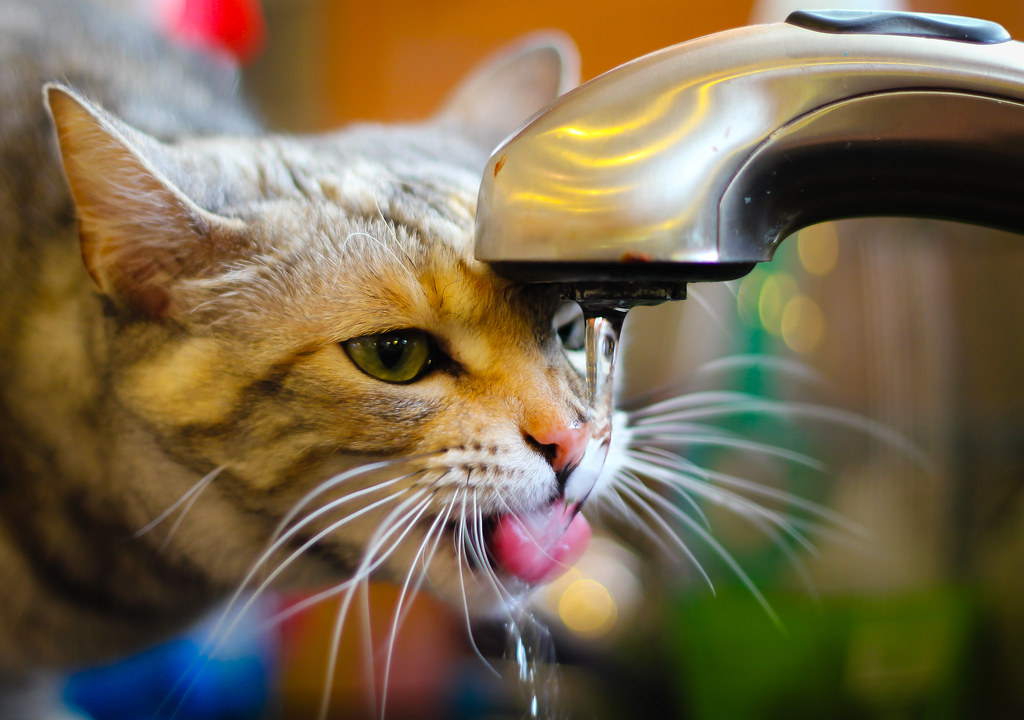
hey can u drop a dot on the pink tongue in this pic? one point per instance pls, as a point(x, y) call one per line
point(539, 546)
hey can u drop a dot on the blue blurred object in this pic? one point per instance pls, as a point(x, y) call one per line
point(178, 680)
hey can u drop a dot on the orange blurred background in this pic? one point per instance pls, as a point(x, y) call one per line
point(337, 60)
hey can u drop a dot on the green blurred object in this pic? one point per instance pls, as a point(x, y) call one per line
point(883, 657)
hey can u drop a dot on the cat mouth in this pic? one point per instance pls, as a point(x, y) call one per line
point(540, 545)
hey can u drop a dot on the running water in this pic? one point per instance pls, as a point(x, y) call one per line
point(529, 647)
point(602, 344)
point(531, 651)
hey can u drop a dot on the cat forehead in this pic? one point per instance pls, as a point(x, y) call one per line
point(410, 187)
point(371, 227)
point(353, 167)
point(392, 254)
point(412, 271)
point(399, 177)
point(363, 213)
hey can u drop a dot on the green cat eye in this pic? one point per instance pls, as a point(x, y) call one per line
point(399, 356)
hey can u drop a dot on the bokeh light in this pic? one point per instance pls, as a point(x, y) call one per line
point(599, 595)
point(587, 608)
point(776, 291)
point(802, 324)
point(818, 249)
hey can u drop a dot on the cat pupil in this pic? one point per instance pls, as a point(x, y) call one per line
point(391, 349)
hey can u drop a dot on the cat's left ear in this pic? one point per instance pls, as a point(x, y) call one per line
point(511, 85)
point(140, 234)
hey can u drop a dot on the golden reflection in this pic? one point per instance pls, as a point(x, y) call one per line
point(593, 191)
point(663, 102)
point(640, 127)
point(538, 199)
point(654, 110)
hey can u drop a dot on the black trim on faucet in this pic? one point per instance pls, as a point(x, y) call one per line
point(922, 25)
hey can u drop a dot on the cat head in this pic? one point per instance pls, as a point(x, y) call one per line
point(297, 327)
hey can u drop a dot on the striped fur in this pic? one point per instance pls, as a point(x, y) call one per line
point(197, 347)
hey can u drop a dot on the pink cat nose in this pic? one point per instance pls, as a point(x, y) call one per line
point(563, 445)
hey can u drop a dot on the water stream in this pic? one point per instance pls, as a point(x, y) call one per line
point(603, 326)
point(529, 647)
point(531, 652)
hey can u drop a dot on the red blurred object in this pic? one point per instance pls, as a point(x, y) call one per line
point(236, 27)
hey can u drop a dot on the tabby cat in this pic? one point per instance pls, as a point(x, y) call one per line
point(288, 334)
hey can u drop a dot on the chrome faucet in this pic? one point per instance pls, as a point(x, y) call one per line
point(694, 162)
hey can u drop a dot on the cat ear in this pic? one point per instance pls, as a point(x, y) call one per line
point(139, 233)
point(510, 86)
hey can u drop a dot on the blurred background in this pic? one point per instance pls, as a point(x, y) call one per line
point(914, 608)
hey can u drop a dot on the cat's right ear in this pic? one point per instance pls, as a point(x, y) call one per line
point(510, 86)
point(140, 234)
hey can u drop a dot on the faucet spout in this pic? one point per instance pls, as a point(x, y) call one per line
point(694, 163)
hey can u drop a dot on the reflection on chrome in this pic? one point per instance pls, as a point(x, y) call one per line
point(715, 150)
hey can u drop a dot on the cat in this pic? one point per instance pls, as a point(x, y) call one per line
point(289, 333)
point(236, 359)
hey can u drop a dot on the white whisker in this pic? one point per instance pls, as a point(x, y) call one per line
point(739, 504)
point(388, 527)
point(330, 484)
point(462, 559)
point(709, 398)
point(631, 491)
point(287, 562)
point(188, 499)
point(791, 555)
point(629, 515)
point(331, 666)
point(401, 606)
point(705, 405)
point(680, 468)
point(385, 529)
point(667, 477)
point(368, 648)
point(778, 365)
point(716, 318)
point(369, 562)
point(667, 433)
point(815, 509)
point(499, 588)
point(719, 549)
point(764, 519)
point(428, 557)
